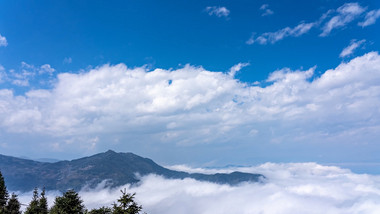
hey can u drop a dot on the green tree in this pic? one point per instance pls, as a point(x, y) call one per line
point(102, 210)
point(33, 205)
point(38, 205)
point(3, 194)
point(126, 205)
point(69, 203)
point(13, 205)
point(43, 205)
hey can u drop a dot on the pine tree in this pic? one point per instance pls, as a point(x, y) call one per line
point(33, 207)
point(102, 210)
point(69, 203)
point(43, 205)
point(127, 205)
point(13, 206)
point(3, 194)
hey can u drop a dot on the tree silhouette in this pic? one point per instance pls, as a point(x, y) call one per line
point(102, 210)
point(3, 194)
point(38, 205)
point(69, 203)
point(126, 205)
point(13, 205)
point(43, 205)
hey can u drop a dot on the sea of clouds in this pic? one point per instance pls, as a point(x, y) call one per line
point(289, 188)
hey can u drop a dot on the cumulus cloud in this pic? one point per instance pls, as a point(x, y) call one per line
point(191, 105)
point(289, 188)
point(266, 10)
point(217, 11)
point(349, 50)
point(3, 41)
point(370, 18)
point(345, 14)
point(27, 73)
point(273, 37)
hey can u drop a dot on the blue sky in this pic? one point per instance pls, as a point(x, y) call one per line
point(200, 82)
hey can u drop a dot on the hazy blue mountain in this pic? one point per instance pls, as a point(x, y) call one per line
point(118, 168)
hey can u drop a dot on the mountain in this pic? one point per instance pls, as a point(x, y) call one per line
point(117, 168)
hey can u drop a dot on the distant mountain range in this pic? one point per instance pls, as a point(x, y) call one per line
point(117, 168)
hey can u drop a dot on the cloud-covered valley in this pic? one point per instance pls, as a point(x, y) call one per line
point(289, 188)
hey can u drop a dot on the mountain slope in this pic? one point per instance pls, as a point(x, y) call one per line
point(117, 168)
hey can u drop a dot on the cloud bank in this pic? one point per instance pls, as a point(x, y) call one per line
point(290, 188)
point(113, 103)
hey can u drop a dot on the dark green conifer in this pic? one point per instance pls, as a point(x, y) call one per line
point(102, 210)
point(13, 206)
point(3, 194)
point(43, 205)
point(126, 205)
point(69, 203)
point(33, 207)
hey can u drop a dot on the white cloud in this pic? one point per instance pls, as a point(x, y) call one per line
point(349, 50)
point(273, 37)
point(266, 10)
point(28, 73)
point(346, 14)
point(46, 69)
point(184, 106)
point(217, 11)
point(237, 68)
point(3, 41)
point(289, 188)
point(370, 18)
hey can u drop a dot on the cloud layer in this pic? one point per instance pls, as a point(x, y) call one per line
point(113, 103)
point(290, 188)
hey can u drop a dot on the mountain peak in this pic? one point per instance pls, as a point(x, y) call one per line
point(110, 152)
point(118, 168)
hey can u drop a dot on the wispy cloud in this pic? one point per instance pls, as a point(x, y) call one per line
point(67, 60)
point(237, 68)
point(345, 14)
point(3, 41)
point(349, 50)
point(217, 11)
point(273, 37)
point(266, 10)
point(341, 17)
point(370, 18)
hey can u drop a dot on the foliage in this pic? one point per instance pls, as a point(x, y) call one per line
point(3, 194)
point(69, 203)
point(102, 210)
point(126, 205)
point(43, 205)
point(38, 205)
point(13, 205)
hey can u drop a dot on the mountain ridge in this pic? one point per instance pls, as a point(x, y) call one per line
point(117, 168)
